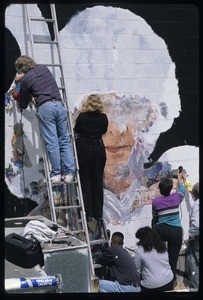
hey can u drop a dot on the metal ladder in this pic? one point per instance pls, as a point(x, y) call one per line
point(68, 209)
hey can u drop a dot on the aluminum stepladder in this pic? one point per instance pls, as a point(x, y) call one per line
point(69, 208)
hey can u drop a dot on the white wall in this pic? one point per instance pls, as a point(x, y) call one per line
point(104, 50)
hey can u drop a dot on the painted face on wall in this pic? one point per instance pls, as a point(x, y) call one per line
point(129, 59)
point(119, 141)
point(129, 118)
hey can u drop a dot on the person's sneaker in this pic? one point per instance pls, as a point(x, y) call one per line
point(56, 179)
point(68, 178)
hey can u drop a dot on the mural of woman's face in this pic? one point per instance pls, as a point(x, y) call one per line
point(119, 141)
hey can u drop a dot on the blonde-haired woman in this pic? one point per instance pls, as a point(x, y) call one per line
point(91, 124)
point(93, 103)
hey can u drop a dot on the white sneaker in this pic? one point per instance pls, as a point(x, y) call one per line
point(68, 178)
point(56, 179)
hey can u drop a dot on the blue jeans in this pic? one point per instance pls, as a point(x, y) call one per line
point(107, 286)
point(53, 125)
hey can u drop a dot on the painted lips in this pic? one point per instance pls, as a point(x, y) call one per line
point(118, 149)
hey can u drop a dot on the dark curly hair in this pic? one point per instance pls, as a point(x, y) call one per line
point(165, 186)
point(149, 239)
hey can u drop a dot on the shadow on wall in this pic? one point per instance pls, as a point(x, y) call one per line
point(17, 207)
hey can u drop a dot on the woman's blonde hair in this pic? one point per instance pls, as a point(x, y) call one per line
point(93, 103)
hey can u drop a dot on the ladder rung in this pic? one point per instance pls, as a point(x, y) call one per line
point(52, 65)
point(45, 42)
point(68, 207)
point(62, 183)
point(100, 241)
point(41, 19)
point(78, 231)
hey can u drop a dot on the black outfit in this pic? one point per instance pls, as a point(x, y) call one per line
point(121, 265)
point(90, 126)
point(173, 236)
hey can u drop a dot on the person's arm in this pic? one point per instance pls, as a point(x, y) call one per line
point(107, 258)
point(154, 215)
point(105, 123)
point(25, 95)
point(194, 220)
point(77, 124)
point(180, 185)
point(138, 262)
point(19, 77)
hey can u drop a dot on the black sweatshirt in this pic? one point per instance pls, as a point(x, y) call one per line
point(121, 265)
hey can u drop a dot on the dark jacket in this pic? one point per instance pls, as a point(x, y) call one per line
point(89, 128)
point(40, 84)
point(91, 125)
point(121, 265)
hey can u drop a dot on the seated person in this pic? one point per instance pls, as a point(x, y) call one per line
point(152, 262)
point(123, 272)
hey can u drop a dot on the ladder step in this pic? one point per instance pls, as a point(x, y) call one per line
point(78, 231)
point(99, 241)
point(68, 207)
point(61, 88)
point(52, 65)
point(41, 19)
point(45, 42)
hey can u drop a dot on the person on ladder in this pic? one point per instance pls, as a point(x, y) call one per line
point(37, 81)
point(90, 124)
